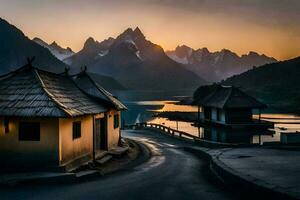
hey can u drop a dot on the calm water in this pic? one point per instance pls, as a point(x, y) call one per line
point(142, 111)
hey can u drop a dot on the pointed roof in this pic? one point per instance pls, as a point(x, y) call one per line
point(229, 97)
point(31, 92)
point(87, 84)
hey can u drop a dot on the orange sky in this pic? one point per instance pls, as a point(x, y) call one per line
point(239, 27)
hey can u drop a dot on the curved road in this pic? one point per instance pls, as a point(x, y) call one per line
point(170, 173)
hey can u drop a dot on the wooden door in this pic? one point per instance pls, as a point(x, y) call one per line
point(101, 134)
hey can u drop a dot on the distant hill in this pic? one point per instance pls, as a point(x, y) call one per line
point(107, 82)
point(55, 49)
point(276, 84)
point(217, 66)
point(135, 62)
point(16, 47)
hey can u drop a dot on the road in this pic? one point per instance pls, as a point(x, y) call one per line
point(171, 173)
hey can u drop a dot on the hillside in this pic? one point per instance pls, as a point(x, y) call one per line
point(107, 82)
point(276, 84)
point(15, 48)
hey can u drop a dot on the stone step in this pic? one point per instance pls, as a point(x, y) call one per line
point(118, 151)
point(104, 159)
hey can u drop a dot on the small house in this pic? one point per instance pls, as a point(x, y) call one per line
point(54, 121)
point(229, 106)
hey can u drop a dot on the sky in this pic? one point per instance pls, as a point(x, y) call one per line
point(265, 26)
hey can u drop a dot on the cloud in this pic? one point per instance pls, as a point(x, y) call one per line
point(275, 12)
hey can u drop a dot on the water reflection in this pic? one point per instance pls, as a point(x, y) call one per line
point(143, 111)
point(172, 107)
point(180, 125)
point(220, 134)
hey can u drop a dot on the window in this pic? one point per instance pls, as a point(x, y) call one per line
point(218, 114)
point(6, 125)
point(116, 121)
point(29, 131)
point(76, 130)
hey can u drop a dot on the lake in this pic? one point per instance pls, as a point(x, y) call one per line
point(143, 111)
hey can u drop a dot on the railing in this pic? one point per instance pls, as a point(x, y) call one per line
point(184, 135)
point(166, 129)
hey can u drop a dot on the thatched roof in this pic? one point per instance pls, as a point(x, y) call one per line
point(30, 92)
point(91, 87)
point(229, 97)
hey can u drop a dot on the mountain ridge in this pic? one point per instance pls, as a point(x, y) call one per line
point(276, 84)
point(12, 55)
point(58, 51)
point(136, 62)
point(92, 50)
point(218, 65)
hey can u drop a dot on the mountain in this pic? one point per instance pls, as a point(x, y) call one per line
point(92, 50)
point(107, 82)
point(216, 66)
point(276, 84)
point(55, 49)
point(15, 48)
point(136, 62)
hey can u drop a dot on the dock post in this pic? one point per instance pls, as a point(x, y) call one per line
point(198, 114)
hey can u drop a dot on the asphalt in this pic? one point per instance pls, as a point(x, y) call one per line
point(276, 170)
point(170, 173)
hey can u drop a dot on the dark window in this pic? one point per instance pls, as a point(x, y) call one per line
point(116, 121)
point(76, 130)
point(6, 125)
point(29, 131)
point(218, 114)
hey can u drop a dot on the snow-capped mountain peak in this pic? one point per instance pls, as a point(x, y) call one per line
point(216, 66)
point(55, 49)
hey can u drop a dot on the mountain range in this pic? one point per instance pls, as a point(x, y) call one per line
point(131, 61)
point(128, 61)
point(134, 61)
point(15, 48)
point(217, 66)
point(55, 49)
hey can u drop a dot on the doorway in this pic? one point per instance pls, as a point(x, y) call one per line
point(101, 134)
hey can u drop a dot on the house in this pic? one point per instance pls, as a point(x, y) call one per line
point(231, 107)
point(54, 121)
